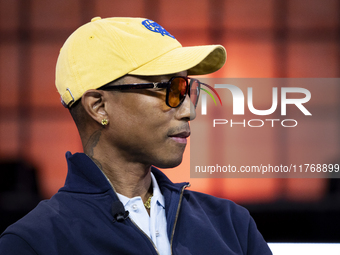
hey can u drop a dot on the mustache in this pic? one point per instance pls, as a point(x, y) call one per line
point(185, 128)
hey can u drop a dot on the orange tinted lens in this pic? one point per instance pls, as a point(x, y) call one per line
point(177, 91)
point(194, 91)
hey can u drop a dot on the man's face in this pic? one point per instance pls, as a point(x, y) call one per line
point(143, 129)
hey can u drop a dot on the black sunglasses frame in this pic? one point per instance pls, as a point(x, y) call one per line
point(156, 85)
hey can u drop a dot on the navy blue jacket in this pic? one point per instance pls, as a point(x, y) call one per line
point(78, 220)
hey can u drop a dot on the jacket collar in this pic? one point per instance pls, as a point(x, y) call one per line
point(84, 176)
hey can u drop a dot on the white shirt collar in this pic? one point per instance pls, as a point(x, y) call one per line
point(157, 194)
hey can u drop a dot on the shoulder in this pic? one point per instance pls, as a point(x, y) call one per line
point(224, 218)
point(218, 212)
point(210, 203)
point(37, 219)
point(30, 230)
point(13, 244)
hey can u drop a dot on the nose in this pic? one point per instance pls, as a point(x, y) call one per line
point(186, 110)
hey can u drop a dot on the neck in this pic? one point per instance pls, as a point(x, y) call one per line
point(130, 179)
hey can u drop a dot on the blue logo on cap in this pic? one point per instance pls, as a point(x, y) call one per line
point(154, 27)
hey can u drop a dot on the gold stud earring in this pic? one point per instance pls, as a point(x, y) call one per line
point(105, 122)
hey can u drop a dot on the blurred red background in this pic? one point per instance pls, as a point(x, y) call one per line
point(263, 38)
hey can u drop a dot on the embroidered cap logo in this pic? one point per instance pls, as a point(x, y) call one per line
point(154, 27)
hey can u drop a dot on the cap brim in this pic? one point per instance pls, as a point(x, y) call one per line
point(197, 60)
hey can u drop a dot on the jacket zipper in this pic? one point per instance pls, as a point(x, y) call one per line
point(177, 213)
point(153, 244)
point(130, 218)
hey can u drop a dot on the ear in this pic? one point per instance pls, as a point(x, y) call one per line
point(94, 103)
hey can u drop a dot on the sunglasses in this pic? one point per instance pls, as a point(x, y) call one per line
point(176, 89)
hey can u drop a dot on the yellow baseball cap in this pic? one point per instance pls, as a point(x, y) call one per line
point(105, 49)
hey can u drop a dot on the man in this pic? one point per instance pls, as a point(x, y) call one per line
point(125, 83)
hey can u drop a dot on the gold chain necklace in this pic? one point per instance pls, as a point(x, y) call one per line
point(147, 204)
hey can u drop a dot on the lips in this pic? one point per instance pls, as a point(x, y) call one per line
point(183, 134)
point(180, 137)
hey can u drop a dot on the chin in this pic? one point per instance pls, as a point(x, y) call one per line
point(169, 163)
